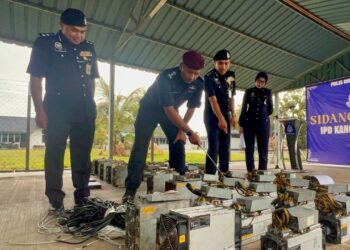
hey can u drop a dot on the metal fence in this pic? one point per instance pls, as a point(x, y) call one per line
point(21, 141)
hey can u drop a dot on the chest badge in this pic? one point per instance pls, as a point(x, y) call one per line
point(88, 69)
point(85, 54)
point(192, 88)
point(217, 82)
point(59, 47)
point(230, 80)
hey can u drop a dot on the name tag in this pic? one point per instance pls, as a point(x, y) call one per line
point(85, 53)
point(88, 69)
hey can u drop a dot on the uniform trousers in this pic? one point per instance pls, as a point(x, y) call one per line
point(81, 136)
point(146, 121)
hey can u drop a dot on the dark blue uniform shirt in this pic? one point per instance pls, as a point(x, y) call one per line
point(221, 86)
point(256, 107)
point(69, 70)
point(169, 89)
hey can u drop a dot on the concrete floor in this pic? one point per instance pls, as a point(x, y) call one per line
point(23, 204)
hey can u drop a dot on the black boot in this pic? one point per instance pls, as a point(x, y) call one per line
point(128, 196)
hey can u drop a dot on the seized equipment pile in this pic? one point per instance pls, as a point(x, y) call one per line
point(227, 211)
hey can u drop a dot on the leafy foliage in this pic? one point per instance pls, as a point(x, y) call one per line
point(293, 104)
point(125, 111)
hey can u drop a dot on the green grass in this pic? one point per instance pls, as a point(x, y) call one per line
point(14, 159)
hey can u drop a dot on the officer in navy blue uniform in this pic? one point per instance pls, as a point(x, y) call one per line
point(254, 121)
point(160, 105)
point(219, 113)
point(69, 65)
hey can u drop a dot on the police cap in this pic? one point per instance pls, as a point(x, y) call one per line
point(193, 60)
point(222, 55)
point(73, 17)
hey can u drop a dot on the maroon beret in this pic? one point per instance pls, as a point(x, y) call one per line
point(193, 60)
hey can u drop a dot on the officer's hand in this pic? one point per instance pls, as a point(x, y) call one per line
point(180, 137)
point(194, 139)
point(240, 130)
point(223, 125)
point(41, 119)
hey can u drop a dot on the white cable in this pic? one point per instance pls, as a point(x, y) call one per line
point(211, 159)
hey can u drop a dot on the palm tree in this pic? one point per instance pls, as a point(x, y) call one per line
point(125, 111)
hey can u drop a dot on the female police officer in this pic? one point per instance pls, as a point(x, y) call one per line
point(254, 121)
point(220, 87)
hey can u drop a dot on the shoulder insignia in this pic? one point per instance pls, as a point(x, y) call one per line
point(209, 73)
point(172, 74)
point(89, 42)
point(46, 34)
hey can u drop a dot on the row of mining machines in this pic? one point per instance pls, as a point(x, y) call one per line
point(284, 210)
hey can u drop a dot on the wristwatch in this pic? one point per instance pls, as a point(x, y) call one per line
point(189, 133)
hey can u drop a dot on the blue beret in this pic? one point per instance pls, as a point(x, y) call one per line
point(73, 17)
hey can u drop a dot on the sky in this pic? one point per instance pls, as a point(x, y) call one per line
point(14, 84)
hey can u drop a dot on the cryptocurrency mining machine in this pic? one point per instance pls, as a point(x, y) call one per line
point(294, 222)
point(142, 217)
point(334, 207)
point(204, 227)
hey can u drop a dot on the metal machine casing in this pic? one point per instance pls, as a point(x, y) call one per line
point(311, 240)
point(301, 195)
point(254, 203)
point(141, 221)
point(208, 227)
point(261, 187)
point(255, 226)
point(302, 218)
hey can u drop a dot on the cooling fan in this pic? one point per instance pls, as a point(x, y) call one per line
point(269, 245)
point(172, 232)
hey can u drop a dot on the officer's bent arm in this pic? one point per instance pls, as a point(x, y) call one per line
point(215, 107)
point(189, 114)
point(176, 119)
point(36, 91)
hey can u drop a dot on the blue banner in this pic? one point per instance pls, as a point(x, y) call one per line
point(328, 122)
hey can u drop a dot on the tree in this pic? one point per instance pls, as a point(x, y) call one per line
point(125, 111)
point(293, 105)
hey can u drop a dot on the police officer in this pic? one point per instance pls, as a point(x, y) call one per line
point(254, 121)
point(68, 63)
point(171, 89)
point(219, 112)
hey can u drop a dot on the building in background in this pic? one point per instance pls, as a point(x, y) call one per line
point(13, 133)
point(162, 142)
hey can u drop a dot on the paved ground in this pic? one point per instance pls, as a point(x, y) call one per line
point(23, 204)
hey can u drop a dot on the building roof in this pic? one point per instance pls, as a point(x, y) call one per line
point(11, 124)
point(267, 35)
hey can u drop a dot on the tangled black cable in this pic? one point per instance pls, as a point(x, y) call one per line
point(89, 218)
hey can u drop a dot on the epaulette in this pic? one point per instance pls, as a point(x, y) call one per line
point(209, 73)
point(201, 78)
point(89, 42)
point(46, 34)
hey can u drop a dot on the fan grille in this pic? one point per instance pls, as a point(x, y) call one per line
point(168, 235)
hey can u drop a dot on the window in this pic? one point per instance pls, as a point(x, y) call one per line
point(11, 138)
